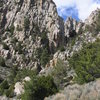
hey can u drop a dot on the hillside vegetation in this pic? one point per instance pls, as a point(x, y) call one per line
point(86, 63)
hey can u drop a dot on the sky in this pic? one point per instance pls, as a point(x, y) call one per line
point(78, 9)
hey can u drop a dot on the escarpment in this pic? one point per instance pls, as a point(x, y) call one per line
point(33, 37)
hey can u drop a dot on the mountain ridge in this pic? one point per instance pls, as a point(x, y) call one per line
point(34, 37)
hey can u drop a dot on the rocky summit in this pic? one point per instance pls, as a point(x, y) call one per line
point(42, 55)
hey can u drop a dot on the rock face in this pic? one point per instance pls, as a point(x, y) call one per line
point(92, 23)
point(90, 91)
point(23, 21)
point(41, 13)
point(72, 27)
point(93, 17)
point(27, 27)
point(19, 86)
point(21, 24)
point(4, 72)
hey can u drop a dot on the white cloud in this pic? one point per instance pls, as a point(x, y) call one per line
point(84, 7)
point(71, 11)
point(63, 3)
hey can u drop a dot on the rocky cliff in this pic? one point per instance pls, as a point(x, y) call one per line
point(34, 36)
point(41, 13)
point(22, 22)
point(72, 26)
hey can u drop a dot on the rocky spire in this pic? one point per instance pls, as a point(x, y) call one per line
point(71, 25)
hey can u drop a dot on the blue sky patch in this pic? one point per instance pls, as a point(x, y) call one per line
point(68, 12)
point(78, 9)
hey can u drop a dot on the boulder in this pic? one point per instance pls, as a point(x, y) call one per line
point(89, 91)
point(19, 88)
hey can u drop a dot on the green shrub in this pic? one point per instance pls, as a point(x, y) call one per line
point(38, 52)
point(2, 62)
point(11, 29)
point(87, 28)
point(19, 48)
point(39, 88)
point(59, 73)
point(19, 28)
point(44, 57)
point(5, 46)
point(44, 38)
point(13, 73)
point(26, 23)
point(21, 74)
point(4, 85)
point(61, 48)
point(72, 33)
point(14, 40)
point(43, 53)
point(10, 91)
point(73, 40)
point(18, 75)
point(1, 3)
point(86, 63)
point(0, 16)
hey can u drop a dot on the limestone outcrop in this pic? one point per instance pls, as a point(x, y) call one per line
point(90, 91)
